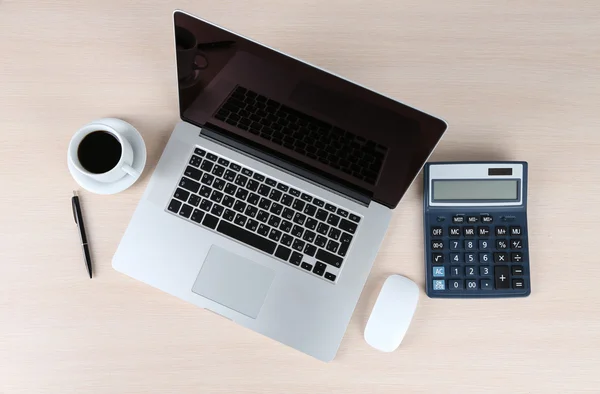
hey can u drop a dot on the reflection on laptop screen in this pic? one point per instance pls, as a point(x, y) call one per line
point(327, 125)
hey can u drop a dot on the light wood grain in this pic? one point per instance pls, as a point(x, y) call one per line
point(515, 80)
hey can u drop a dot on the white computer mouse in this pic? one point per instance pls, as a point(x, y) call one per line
point(392, 313)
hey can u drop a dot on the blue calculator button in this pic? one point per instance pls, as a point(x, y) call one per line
point(455, 257)
point(484, 258)
point(439, 272)
point(454, 245)
point(471, 270)
point(470, 257)
point(486, 284)
point(439, 285)
point(483, 244)
point(470, 245)
point(456, 270)
point(485, 271)
point(455, 284)
point(471, 285)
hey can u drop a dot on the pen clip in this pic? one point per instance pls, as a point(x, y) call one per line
point(73, 206)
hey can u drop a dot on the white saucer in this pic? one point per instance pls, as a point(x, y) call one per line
point(139, 161)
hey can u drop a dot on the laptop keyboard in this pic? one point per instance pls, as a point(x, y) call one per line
point(311, 137)
point(293, 226)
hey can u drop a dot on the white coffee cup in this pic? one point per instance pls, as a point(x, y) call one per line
point(121, 169)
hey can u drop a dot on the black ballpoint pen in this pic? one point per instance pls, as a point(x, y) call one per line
point(79, 220)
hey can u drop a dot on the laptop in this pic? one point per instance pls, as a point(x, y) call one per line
point(274, 192)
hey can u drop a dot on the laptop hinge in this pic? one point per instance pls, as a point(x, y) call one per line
point(259, 152)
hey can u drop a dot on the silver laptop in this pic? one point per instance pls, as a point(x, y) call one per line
point(274, 193)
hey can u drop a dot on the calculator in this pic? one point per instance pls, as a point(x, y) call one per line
point(475, 222)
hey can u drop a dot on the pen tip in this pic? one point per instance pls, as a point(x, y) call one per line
point(75, 192)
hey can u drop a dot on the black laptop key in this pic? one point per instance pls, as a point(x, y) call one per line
point(288, 213)
point(189, 184)
point(275, 195)
point(246, 237)
point(276, 208)
point(296, 258)
point(306, 197)
point(264, 203)
point(310, 210)
point(193, 173)
point(330, 276)
point(205, 191)
point(258, 177)
point(333, 219)
point(241, 180)
point(223, 162)
point(283, 253)
point(322, 228)
point(262, 216)
point(251, 224)
point(306, 266)
point(330, 207)
point(186, 210)
point(206, 165)
point(195, 161)
point(287, 240)
point(229, 214)
point(329, 258)
point(348, 226)
point(286, 226)
point(295, 193)
point(299, 218)
point(275, 234)
point(211, 156)
point(298, 205)
point(343, 213)
point(319, 268)
point(218, 170)
point(205, 205)
point(216, 196)
point(253, 198)
point(229, 175)
point(247, 172)
point(321, 214)
point(309, 236)
point(271, 182)
point(207, 179)
point(311, 223)
point(264, 190)
point(354, 218)
point(252, 185)
point(228, 201)
point(343, 249)
point(310, 250)
point(219, 184)
point(298, 244)
point(230, 189)
point(235, 167)
point(263, 230)
point(240, 219)
point(318, 203)
point(345, 238)
point(251, 211)
point(194, 200)
point(210, 221)
point(334, 233)
point(217, 210)
point(197, 216)
point(239, 206)
point(282, 187)
point(287, 200)
point(199, 151)
point(332, 246)
point(181, 194)
point(297, 231)
point(274, 220)
point(241, 194)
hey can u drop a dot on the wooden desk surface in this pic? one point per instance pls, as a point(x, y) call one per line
point(515, 80)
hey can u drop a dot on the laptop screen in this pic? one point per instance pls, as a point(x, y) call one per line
point(329, 126)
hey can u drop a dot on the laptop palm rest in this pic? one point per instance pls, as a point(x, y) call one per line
point(233, 281)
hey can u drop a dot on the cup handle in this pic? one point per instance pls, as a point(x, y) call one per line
point(129, 170)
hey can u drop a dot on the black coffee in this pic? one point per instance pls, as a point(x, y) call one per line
point(99, 152)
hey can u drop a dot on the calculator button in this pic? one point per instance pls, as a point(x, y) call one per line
point(470, 245)
point(483, 244)
point(517, 270)
point(484, 257)
point(472, 219)
point(501, 278)
point(470, 270)
point(518, 283)
point(469, 231)
point(515, 230)
point(500, 257)
point(516, 257)
point(486, 284)
point(500, 231)
point(516, 244)
point(454, 231)
point(454, 245)
point(486, 219)
point(485, 271)
point(439, 284)
point(439, 272)
point(458, 219)
point(471, 285)
point(437, 232)
point(437, 244)
point(455, 284)
point(455, 258)
point(455, 270)
point(501, 244)
point(470, 257)
point(437, 258)
point(483, 231)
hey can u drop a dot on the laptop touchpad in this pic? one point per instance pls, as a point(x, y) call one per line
point(233, 281)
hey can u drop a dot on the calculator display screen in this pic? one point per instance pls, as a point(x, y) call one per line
point(473, 190)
